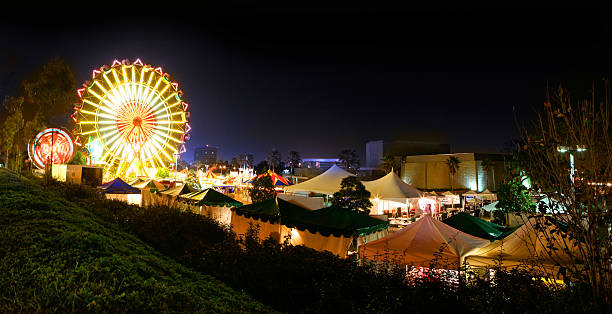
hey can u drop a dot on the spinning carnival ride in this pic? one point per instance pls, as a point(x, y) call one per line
point(51, 146)
point(131, 119)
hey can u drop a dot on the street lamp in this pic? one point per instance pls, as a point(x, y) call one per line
point(571, 149)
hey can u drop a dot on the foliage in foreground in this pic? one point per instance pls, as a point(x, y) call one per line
point(57, 256)
point(298, 279)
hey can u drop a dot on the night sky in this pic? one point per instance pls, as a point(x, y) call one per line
point(321, 80)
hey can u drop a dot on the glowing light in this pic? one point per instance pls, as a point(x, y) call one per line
point(51, 146)
point(128, 119)
point(94, 73)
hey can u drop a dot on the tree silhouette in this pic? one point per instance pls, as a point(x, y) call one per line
point(274, 159)
point(349, 159)
point(453, 165)
point(487, 165)
point(353, 195)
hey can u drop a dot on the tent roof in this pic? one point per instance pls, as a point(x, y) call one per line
point(150, 184)
point(210, 197)
point(326, 183)
point(470, 193)
point(477, 227)
point(118, 186)
point(272, 210)
point(337, 221)
point(448, 193)
point(178, 190)
point(326, 221)
point(486, 192)
point(423, 243)
point(277, 180)
point(391, 187)
point(526, 243)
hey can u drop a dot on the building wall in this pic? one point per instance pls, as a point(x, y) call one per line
point(430, 172)
point(374, 154)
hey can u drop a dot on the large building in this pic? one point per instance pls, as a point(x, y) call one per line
point(430, 172)
point(207, 155)
point(375, 150)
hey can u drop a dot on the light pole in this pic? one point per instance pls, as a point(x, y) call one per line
point(571, 149)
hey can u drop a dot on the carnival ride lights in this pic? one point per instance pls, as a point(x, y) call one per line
point(131, 119)
point(51, 146)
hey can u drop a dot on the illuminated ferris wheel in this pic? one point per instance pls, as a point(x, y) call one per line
point(131, 119)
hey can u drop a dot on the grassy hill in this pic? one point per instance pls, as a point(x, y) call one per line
point(56, 256)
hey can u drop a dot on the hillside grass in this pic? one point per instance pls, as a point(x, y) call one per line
point(57, 256)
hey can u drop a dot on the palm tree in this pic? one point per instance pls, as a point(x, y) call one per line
point(350, 160)
point(389, 163)
point(487, 165)
point(453, 165)
point(274, 159)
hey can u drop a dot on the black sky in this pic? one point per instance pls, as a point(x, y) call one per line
point(321, 80)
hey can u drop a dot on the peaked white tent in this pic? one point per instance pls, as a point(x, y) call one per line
point(390, 192)
point(528, 244)
point(470, 193)
point(420, 242)
point(326, 183)
point(487, 195)
point(392, 188)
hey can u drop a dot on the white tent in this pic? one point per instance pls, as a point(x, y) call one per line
point(527, 244)
point(392, 188)
point(390, 192)
point(487, 195)
point(326, 183)
point(419, 243)
point(470, 193)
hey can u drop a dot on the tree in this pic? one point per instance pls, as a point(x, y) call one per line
point(162, 172)
point(262, 189)
point(453, 165)
point(51, 91)
point(293, 160)
point(390, 163)
point(12, 127)
point(513, 197)
point(350, 160)
point(566, 154)
point(80, 157)
point(274, 159)
point(261, 167)
point(487, 165)
point(353, 195)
